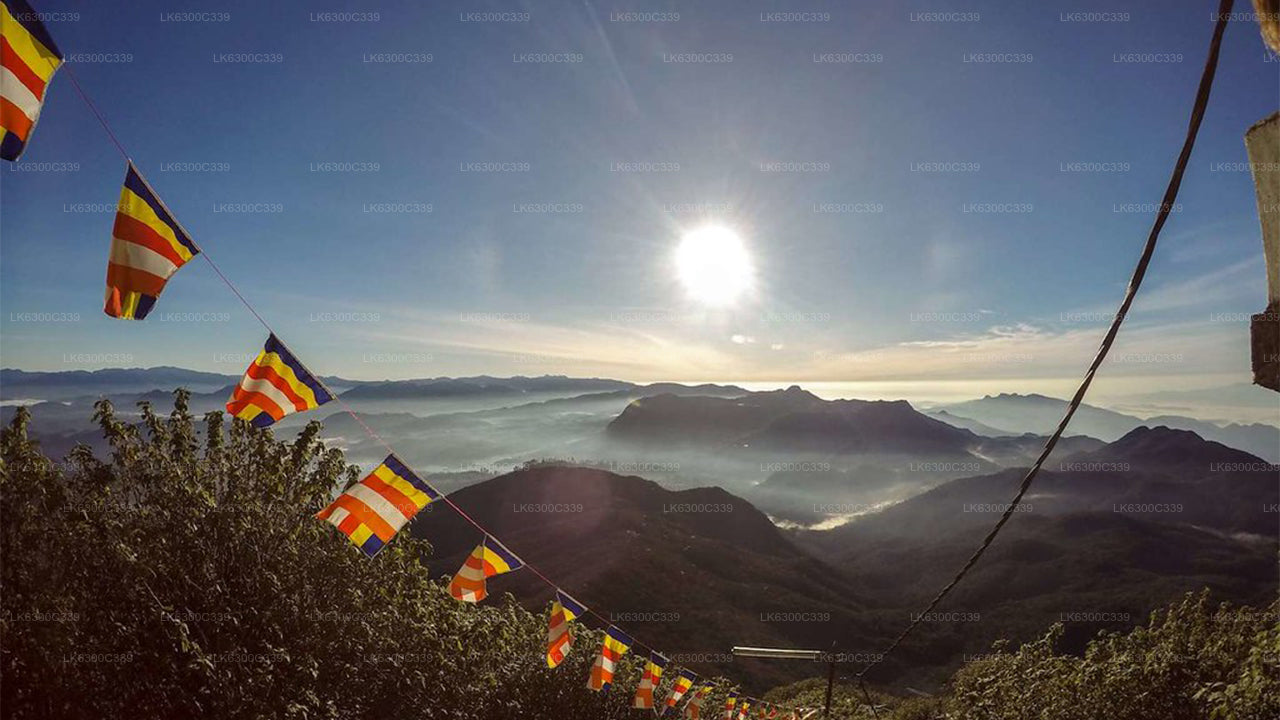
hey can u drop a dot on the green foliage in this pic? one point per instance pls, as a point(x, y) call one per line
point(186, 577)
point(1189, 663)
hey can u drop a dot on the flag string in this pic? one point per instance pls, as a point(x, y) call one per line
point(346, 407)
point(1171, 193)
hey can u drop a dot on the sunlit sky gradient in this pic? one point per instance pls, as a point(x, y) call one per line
point(911, 282)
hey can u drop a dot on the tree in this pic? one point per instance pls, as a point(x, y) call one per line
point(185, 576)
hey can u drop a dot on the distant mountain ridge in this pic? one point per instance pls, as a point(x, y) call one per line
point(72, 384)
point(480, 385)
point(1014, 413)
point(793, 418)
point(822, 457)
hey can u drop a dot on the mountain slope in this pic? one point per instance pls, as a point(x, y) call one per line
point(1107, 533)
point(1172, 475)
point(1012, 412)
point(693, 572)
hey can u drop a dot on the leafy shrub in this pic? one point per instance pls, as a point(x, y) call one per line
point(1190, 662)
point(186, 577)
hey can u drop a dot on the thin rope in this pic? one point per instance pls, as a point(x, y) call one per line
point(94, 109)
point(1139, 272)
point(870, 703)
point(342, 403)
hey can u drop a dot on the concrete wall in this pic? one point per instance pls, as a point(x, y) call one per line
point(1263, 143)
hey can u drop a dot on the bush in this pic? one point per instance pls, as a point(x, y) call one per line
point(1190, 662)
point(187, 577)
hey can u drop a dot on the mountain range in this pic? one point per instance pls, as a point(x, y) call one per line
point(1104, 537)
point(702, 517)
point(1011, 414)
point(816, 453)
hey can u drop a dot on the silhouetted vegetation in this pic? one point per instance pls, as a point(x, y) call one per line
point(1192, 661)
point(185, 576)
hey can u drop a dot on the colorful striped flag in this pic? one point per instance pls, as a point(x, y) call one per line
point(693, 709)
point(147, 248)
point(373, 510)
point(744, 708)
point(275, 385)
point(643, 699)
point(488, 559)
point(564, 610)
point(681, 686)
point(28, 60)
point(729, 704)
point(615, 645)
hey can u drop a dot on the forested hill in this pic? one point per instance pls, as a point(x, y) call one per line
point(695, 571)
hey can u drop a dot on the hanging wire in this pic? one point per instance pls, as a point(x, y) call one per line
point(1139, 272)
point(636, 644)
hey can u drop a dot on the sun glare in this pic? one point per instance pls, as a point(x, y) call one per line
point(713, 265)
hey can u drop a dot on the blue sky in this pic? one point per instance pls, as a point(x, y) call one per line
point(952, 199)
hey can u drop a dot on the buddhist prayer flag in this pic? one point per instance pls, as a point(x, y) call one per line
point(693, 710)
point(28, 59)
point(681, 686)
point(744, 707)
point(275, 385)
point(643, 699)
point(373, 510)
point(488, 559)
point(147, 248)
point(564, 610)
point(615, 645)
point(729, 704)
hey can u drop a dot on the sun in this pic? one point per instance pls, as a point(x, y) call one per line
point(714, 265)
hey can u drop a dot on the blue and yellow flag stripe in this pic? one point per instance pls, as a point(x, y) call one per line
point(274, 386)
point(488, 559)
point(28, 60)
point(147, 248)
point(373, 510)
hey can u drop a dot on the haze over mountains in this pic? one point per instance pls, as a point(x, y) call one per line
point(1105, 538)
point(1099, 539)
point(692, 572)
point(709, 516)
point(799, 457)
point(1010, 414)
